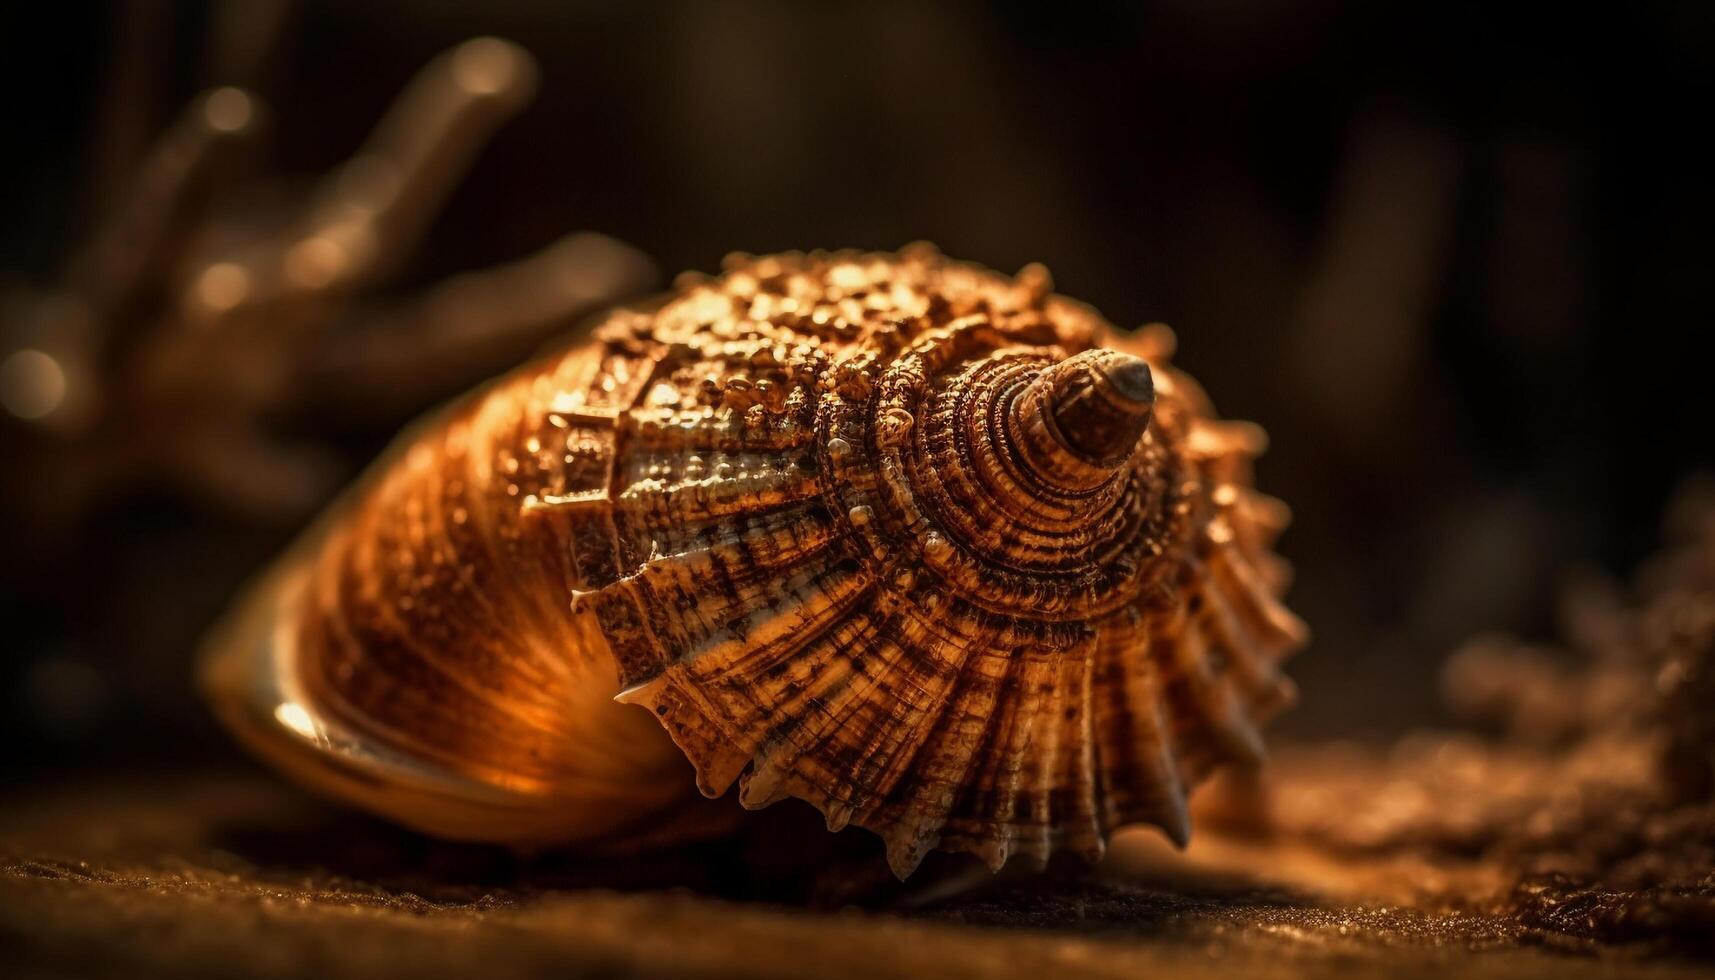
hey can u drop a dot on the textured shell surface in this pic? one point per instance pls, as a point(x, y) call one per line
point(931, 548)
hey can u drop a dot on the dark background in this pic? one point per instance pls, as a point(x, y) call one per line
point(1457, 259)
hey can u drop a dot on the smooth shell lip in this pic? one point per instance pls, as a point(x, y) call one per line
point(247, 670)
point(247, 674)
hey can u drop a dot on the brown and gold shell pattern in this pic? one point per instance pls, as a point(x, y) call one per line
point(930, 548)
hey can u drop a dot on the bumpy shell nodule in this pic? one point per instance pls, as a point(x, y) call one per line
point(930, 548)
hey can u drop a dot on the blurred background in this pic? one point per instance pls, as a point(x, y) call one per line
point(1457, 259)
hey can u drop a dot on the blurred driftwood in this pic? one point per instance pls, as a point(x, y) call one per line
point(209, 315)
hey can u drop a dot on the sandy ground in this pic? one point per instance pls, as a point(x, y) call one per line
point(236, 874)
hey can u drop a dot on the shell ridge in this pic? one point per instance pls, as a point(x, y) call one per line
point(983, 819)
point(730, 548)
point(780, 749)
point(892, 771)
point(817, 721)
point(1076, 815)
point(985, 816)
point(714, 434)
point(1252, 669)
point(687, 674)
point(1212, 726)
point(710, 499)
point(1041, 772)
point(787, 617)
point(927, 692)
point(915, 678)
point(1144, 778)
point(1291, 632)
point(902, 813)
point(688, 721)
point(912, 818)
point(773, 681)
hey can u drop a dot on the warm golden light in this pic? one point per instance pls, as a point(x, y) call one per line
point(222, 286)
point(315, 262)
point(32, 384)
point(368, 184)
point(228, 110)
point(486, 66)
point(293, 716)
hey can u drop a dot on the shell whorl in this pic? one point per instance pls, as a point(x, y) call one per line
point(1081, 419)
point(999, 590)
point(888, 533)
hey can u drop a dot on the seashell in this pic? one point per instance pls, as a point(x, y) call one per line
point(933, 549)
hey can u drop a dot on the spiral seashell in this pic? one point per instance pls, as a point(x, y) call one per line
point(891, 534)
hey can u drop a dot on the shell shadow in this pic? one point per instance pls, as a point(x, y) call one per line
point(779, 856)
point(782, 856)
point(1071, 900)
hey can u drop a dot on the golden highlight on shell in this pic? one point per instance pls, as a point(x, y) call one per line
point(930, 548)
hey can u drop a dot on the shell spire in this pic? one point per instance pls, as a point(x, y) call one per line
point(1080, 421)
